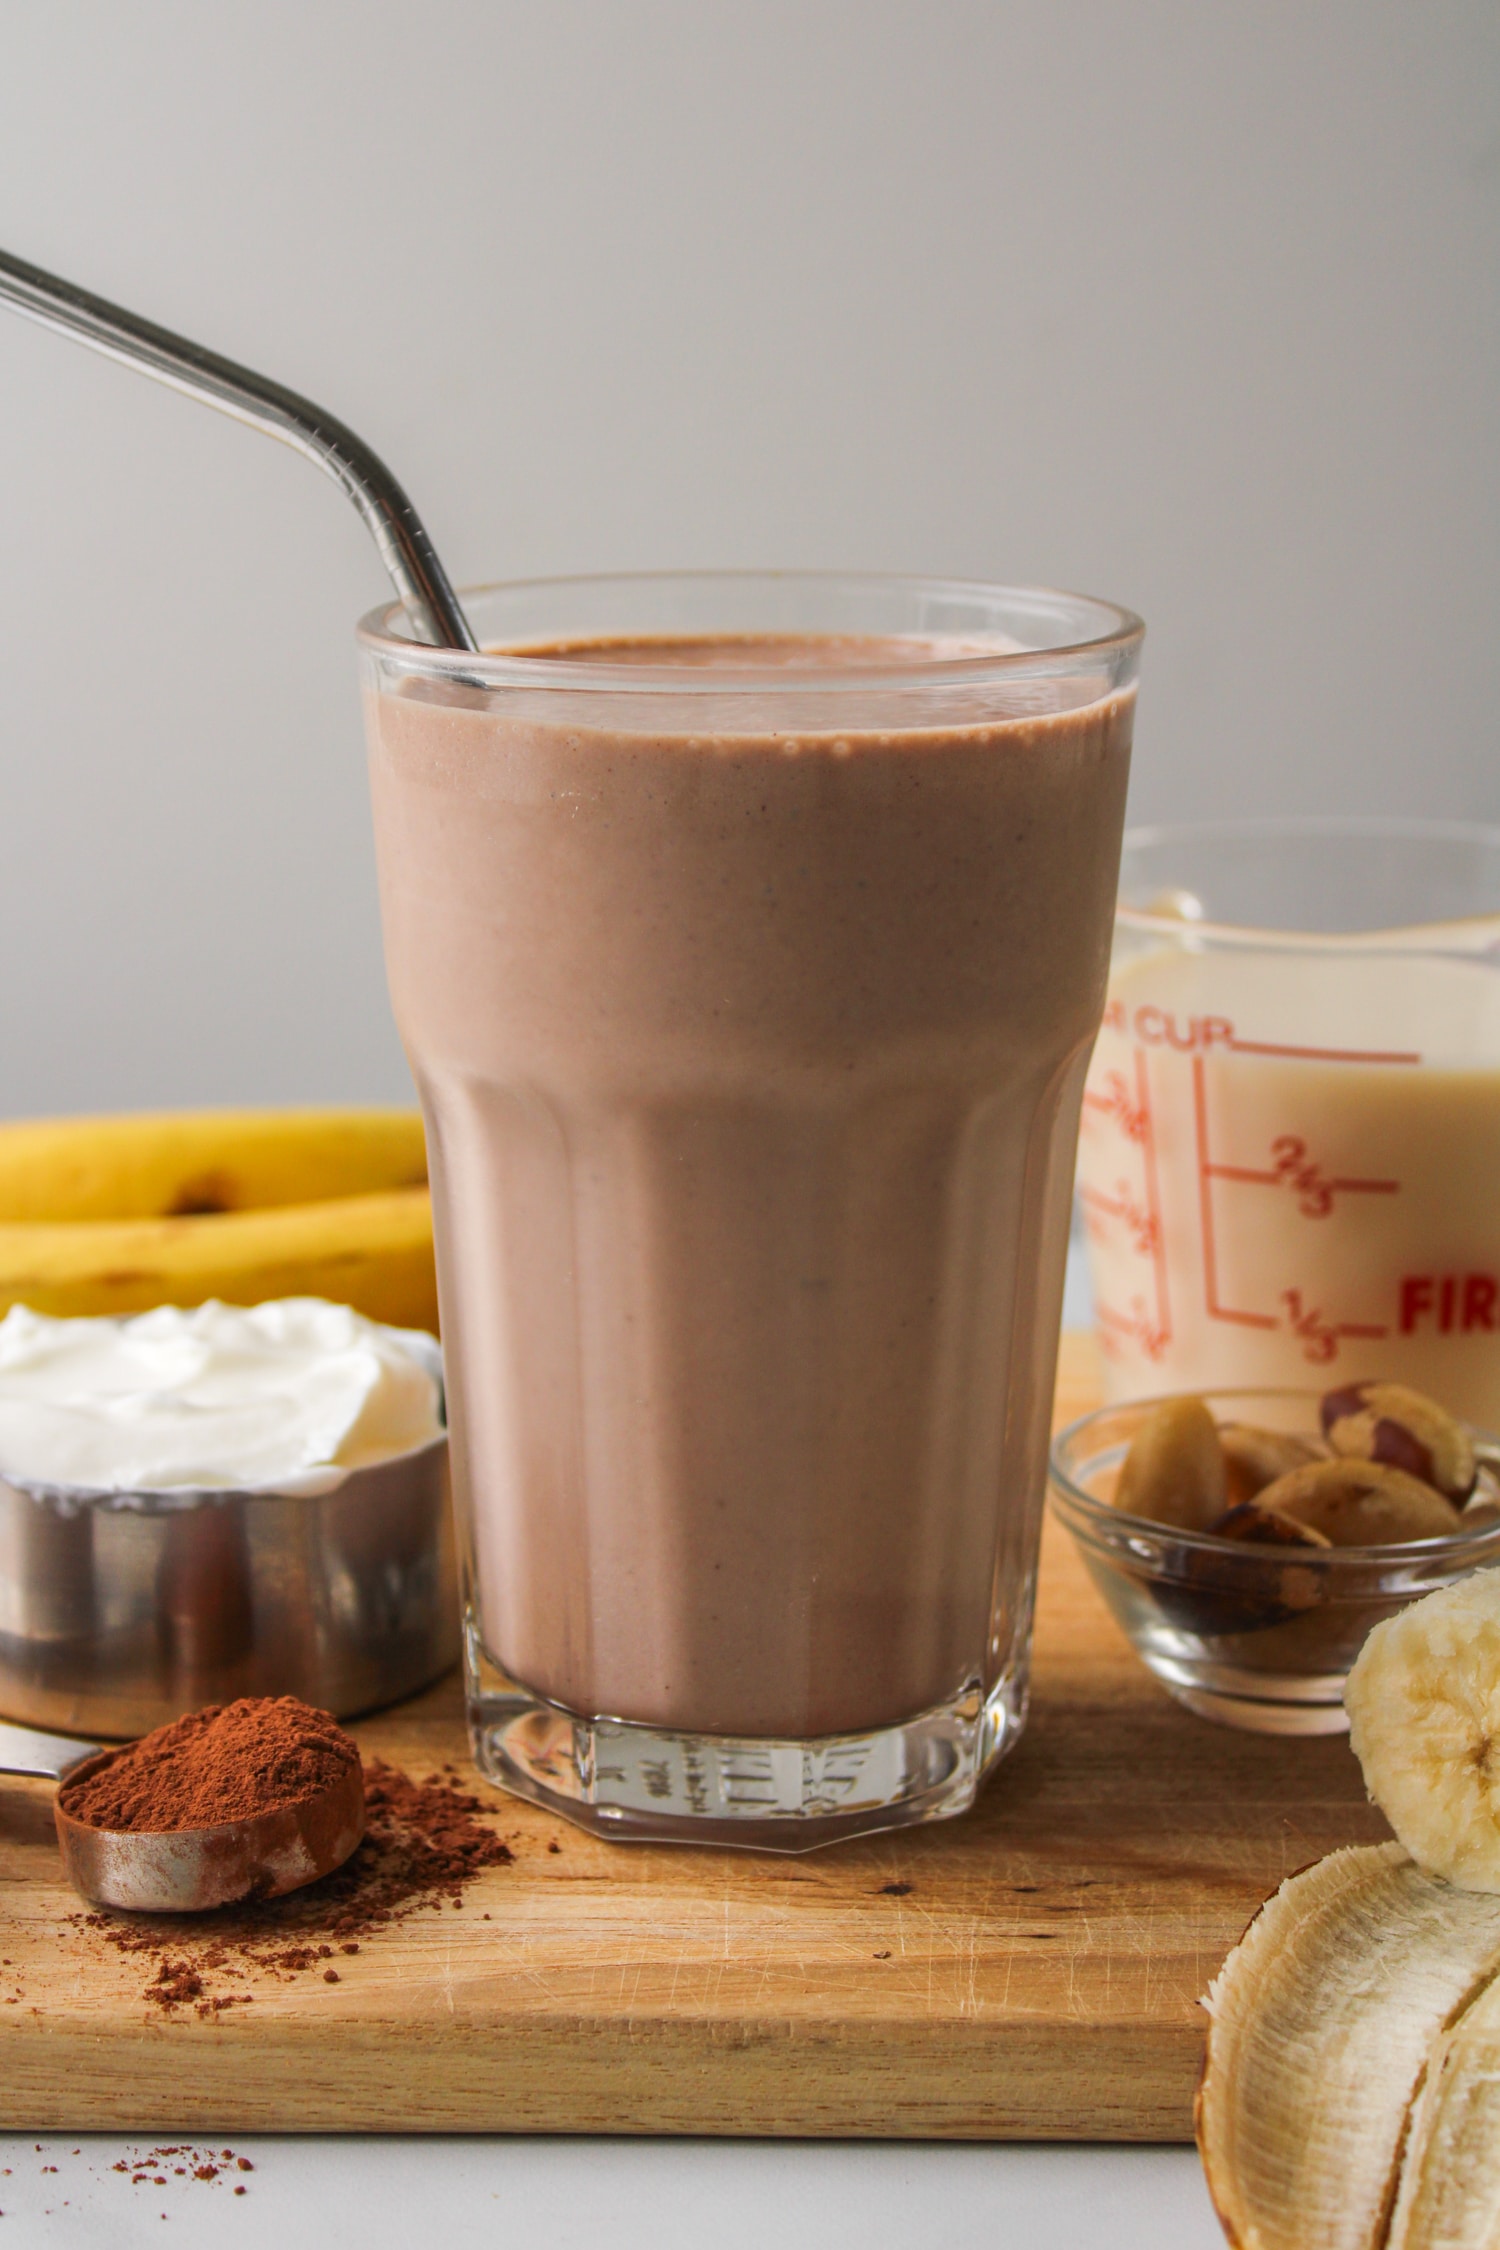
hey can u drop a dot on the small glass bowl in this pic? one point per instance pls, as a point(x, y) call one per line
point(1254, 1636)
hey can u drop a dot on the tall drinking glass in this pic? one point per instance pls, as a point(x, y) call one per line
point(748, 936)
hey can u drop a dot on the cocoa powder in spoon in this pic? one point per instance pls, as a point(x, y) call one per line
point(232, 1761)
point(426, 1839)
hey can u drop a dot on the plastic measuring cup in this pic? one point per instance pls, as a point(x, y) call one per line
point(1289, 1166)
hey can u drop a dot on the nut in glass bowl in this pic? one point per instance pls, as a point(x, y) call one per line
point(1255, 1635)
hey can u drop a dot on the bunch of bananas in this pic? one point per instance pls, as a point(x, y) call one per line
point(118, 1214)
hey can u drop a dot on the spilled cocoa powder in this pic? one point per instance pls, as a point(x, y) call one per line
point(425, 1840)
point(202, 2164)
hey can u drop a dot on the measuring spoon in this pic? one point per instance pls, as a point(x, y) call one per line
point(189, 1870)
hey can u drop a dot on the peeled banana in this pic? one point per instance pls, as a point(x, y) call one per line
point(1321, 2023)
point(115, 1215)
point(1423, 1700)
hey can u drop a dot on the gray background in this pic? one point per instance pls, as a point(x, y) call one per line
point(1190, 306)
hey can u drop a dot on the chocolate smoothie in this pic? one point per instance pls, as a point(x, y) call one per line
point(751, 1060)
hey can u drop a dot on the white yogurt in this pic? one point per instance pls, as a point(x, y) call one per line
point(284, 1397)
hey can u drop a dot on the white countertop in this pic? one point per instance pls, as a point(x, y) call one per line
point(396, 2193)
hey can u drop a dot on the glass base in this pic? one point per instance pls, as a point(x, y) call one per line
point(1260, 1702)
point(641, 1784)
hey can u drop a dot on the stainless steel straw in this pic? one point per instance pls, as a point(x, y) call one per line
point(420, 578)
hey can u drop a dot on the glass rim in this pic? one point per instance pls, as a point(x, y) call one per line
point(1426, 937)
point(1121, 632)
point(1098, 1514)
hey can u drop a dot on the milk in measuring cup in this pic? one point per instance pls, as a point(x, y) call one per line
point(1289, 1167)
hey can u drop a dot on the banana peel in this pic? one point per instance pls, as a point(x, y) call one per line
point(1321, 2025)
point(120, 1214)
point(1351, 2092)
point(1450, 2179)
point(373, 1252)
point(184, 1163)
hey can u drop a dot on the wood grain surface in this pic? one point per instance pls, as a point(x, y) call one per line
point(1029, 1971)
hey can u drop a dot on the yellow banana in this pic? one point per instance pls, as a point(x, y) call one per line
point(370, 1251)
point(187, 1162)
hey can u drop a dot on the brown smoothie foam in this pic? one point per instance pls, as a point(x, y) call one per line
point(751, 1065)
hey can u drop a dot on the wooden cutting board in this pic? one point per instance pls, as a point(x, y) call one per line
point(1030, 1971)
